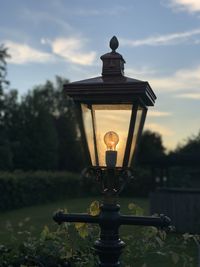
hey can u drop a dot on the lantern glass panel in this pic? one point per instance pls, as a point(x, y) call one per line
point(136, 132)
point(89, 131)
point(100, 119)
point(115, 118)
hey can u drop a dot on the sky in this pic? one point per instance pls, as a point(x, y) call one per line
point(159, 40)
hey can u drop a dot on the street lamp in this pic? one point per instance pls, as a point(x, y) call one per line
point(111, 103)
point(111, 111)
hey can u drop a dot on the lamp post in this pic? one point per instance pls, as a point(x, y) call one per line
point(111, 112)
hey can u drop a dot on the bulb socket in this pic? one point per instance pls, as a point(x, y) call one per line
point(111, 158)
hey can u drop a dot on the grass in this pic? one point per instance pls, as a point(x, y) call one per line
point(41, 215)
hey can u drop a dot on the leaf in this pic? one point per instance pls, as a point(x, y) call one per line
point(131, 206)
point(83, 232)
point(175, 257)
point(139, 211)
point(82, 229)
point(79, 225)
point(187, 236)
point(69, 254)
point(162, 234)
point(151, 231)
point(136, 210)
point(94, 208)
point(45, 232)
point(161, 253)
point(159, 240)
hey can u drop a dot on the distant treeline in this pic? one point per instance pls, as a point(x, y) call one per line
point(40, 131)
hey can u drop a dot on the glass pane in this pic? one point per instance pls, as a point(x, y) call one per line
point(88, 127)
point(135, 134)
point(114, 118)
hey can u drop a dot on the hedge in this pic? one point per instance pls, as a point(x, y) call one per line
point(19, 189)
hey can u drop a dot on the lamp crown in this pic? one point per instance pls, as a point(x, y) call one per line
point(113, 62)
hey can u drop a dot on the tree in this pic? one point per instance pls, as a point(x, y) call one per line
point(150, 148)
point(5, 149)
point(70, 148)
point(3, 56)
point(42, 129)
point(36, 146)
point(191, 147)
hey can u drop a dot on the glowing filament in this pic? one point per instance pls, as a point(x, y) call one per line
point(111, 139)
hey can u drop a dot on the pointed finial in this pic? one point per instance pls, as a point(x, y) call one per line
point(114, 43)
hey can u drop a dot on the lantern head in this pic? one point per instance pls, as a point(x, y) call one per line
point(111, 111)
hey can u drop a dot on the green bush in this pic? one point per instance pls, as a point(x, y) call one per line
point(19, 189)
point(71, 245)
point(60, 248)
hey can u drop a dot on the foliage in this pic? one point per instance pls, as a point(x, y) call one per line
point(151, 147)
point(5, 155)
point(52, 248)
point(68, 246)
point(149, 245)
point(3, 56)
point(191, 147)
point(40, 132)
point(186, 172)
point(16, 189)
point(83, 228)
point(141, 185)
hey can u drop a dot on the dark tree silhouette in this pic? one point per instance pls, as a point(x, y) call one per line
point(190, 151)
point(5, 149)
point(3, 71)
point(150, 148)
point(42, 130)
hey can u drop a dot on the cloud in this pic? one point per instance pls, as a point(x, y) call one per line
point(186, 5)
point(67, 48)
point(22, 54)
point(194, 96)
point(163, 130)
point(181, 80)
point(72, 50)
point(141, 72)
point(155, 113)
point(167, 39)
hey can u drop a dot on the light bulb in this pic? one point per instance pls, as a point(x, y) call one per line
point(111, 139)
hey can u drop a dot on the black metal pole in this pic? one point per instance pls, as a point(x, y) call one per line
point(109, 246)
point(161, 221)
point(60, 217)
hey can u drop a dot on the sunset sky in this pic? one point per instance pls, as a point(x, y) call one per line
point(159, 39)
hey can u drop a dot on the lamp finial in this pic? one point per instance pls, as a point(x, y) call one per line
point(114, 43)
